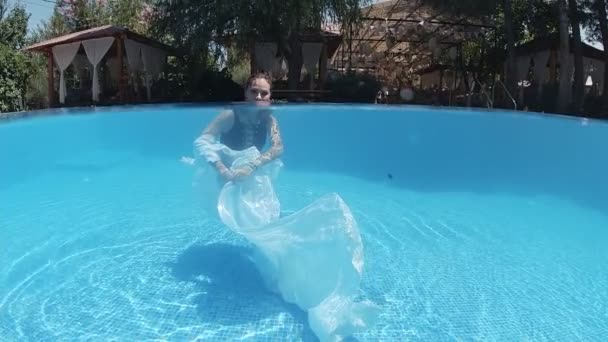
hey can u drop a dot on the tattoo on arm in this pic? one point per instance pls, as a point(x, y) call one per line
point(277, 143)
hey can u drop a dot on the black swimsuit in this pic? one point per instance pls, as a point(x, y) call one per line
point(238, 139)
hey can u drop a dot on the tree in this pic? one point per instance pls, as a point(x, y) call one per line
point(134, 14)
point(79, 15)
point(55, 26)
point(14, 65)
point(204, 28)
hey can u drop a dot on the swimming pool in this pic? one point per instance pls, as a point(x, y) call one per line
point(476, 225)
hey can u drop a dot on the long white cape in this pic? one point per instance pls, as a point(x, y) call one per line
point(312, 258)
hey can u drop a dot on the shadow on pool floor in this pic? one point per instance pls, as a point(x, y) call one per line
point(233, 291)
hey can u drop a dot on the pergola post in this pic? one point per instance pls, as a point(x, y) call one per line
point(323, 66)
point(122, 78)
point(51, 81)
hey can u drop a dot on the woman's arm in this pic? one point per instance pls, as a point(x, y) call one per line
point(210, 135)
point(222, 123)
point(276, 149)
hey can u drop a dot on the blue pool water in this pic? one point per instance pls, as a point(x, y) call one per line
point(491, 226)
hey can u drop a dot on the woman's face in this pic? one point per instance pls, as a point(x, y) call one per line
point(258, 91)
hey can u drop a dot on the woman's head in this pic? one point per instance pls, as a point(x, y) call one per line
point(257, 88)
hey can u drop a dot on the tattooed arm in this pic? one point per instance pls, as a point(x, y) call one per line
point(276, 149)
point(210, 135)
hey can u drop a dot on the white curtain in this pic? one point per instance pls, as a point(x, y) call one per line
point(588, 67)
point(570, 68)
point(154, 60)
point(541, 60)
point(133, 50)
point(265, 56)
point(598, 74)
point(566, 69)
point(96, 49)
point(64, 54)
point(523, 66)
point(540, 66)
point(311, 52)
point(279, 69)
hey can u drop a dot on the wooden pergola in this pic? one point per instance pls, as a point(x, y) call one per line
point(402, 37)
point(117, 49)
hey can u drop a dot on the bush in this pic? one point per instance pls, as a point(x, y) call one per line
point(37, 92)
point(593, 106)
point(189, 80)
point(218, 86)
point(353, 87)
point(13, 78)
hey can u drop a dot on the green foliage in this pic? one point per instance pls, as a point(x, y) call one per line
point(218, 86)
point(239, 65)
point(15, 66)
point(54, 27)
point(77, 15)
point(13, 28)
point(13, 75)
point(593, 9)
point(203, 29)
point(540, 19)
point(353, 87)
point(83, 14)
point(129, 13)
point(74, 15)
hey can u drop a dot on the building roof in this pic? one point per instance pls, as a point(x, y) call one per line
point(551, 42)
point(96, 32)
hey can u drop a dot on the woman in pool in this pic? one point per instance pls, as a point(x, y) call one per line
point(240, 129)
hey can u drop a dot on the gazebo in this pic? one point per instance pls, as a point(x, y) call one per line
point(538, 61)
point(124, 53)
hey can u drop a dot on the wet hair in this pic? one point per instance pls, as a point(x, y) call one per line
point(257, 76)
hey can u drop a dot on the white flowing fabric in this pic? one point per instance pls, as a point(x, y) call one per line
point(311, 52)
point(96, 49)
point(133, 50)
point(523, 66)
point(279, 69)
point(153, 59)
point(64, 54)
point(312, 258)
point(567, 69)
point(265, 56)
point(598, 74)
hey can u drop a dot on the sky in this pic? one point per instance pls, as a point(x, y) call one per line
point(42, 10)
point(39, 10)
